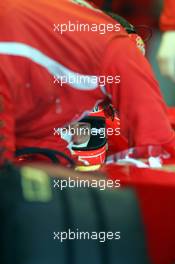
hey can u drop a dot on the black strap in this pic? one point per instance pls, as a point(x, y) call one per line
point(51, 154)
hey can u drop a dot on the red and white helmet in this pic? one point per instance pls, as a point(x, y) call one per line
point(104, 135)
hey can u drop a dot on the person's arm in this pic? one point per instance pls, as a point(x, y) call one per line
point(7, 141)
point(141, 107)
point(166, 52)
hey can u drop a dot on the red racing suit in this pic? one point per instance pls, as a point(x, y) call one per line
point(33, 52)
point(167, 19)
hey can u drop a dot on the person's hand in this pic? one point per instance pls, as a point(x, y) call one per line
point(166, 55)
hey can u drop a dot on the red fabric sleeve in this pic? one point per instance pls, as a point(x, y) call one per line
point(7, 145)
point(167, 19)
point(141, 107)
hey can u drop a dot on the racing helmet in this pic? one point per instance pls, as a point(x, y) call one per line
point(94, 152)
point(102, 120)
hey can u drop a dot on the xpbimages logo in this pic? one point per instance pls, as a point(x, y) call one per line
point(78, 26)
point(101, 184)
point(102, 132)
point(100, 80)
point(101, 237)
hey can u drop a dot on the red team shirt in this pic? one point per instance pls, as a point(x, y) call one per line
point(32, 53)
